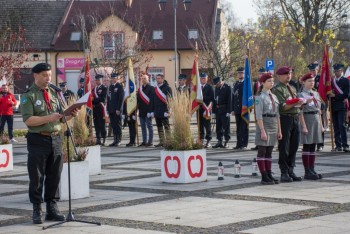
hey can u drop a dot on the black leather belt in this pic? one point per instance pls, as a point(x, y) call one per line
point(310, 113)
point(49, 133)
point(268, 115)
point(289, 115)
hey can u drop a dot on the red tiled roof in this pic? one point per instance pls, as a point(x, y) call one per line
point(153, 19)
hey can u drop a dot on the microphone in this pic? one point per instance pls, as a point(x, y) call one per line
point(54, 87)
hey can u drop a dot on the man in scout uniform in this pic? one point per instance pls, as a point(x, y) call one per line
point(39, 108)
point(289, 110)
point(99, 112)
point(81, 92)
point(68, 95)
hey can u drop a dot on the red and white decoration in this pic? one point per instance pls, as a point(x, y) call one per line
point(184, 166)
point(6, 158)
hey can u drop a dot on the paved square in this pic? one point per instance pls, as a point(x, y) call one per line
point(197, 211)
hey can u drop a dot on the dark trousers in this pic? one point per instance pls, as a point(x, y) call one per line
point(289, 144)
point(242, 131)
point(132, 130)
point(162, 125)
point(204, 127)
point(222, 126)
point(9, 120)
point(100, 125)
point(340, 136)
point(45, 161)
point(116, 123)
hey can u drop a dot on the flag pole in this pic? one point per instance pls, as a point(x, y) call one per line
point(330, 101)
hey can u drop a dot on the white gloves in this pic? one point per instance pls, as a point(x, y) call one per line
point(166, 114)
point(150, 115)
point(213, 115)
point(123, 116)
point(228, 114)
point(133, 117)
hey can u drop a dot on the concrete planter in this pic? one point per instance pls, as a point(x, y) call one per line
point(79, 175)
point(184, 166)
point(94, 158)
point(6, 158)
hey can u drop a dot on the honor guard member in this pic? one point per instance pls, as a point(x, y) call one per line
point(222, 110)
point(289, 119)
point(68, 95)
point(311, 126)
point(257, 83)
point(81, 91)
point(161, 112)
point(115, 101)
point(340, 103)
point(241, 125)
point(39, 108)
point(99, 112)
point(145, 104)
point(205, 110)
point(268, 127)
point(182, 84)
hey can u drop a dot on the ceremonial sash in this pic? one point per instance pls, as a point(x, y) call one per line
point(143, 96)
point(337, 88)
point(161, 95)
point(207, 110)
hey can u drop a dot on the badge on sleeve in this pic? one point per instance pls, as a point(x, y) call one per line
point(24, 100)
point(38, 103)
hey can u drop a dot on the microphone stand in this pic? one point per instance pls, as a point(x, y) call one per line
point(68, 135)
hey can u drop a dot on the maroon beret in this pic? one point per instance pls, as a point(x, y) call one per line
point(265, 77)
point(307, 76)
point(284, 70)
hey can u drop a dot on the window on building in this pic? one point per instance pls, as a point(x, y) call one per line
point(157, 35)
point(153, 72)
point(113, 45)
point(193, 34)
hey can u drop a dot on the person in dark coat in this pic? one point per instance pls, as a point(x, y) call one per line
point(222, 110)
point(131, 122)
point(242, 130)
point(161, 111)
point(115, 101)
point(81, 91)
point(340, 104)
point(68, 95)
point(182, 84)
point(99, 94)
point(205, 110)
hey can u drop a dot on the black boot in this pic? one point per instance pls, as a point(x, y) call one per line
point(37, 214)
point(293, 175)
point(114, 141)
point(218, 145)
point(312, 169)
point(225, 145)
point(207, 145)
point(103, 141)
point(98, 141)
point(285, 177)
point(269, 174)
point(265, 180)
point(309, 175)
point(52, 212)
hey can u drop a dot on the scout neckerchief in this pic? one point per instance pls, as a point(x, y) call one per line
point(273, 102)
point(143, 96)
point(47, 99)
point(161, 95)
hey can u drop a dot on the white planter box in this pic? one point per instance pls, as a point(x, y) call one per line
point(94, 158)
point(6, 158)
point(79, 175)
point(184, 166)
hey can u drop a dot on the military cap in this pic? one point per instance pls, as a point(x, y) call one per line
point(240, 69)
point(216, 80)
point(203, 75)
point(307, 76)
point(312, 66)
point(265, 77)
point(114, 75)
point(182, 77)
point(98, 76)
point(284, 70)
point(338, 66)
point(62, 84)
point(262, 69)
point(82, 80)
point(41, 67)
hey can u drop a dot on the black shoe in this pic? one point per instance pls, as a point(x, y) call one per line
point(37, 214)
point(346, 149)
point(285, 178)
point(52, 212)
point(159, 145)
point(243, 148)
point(312, 169)
point(142, 144)
point(294, 176)
point(254, 148)
point(148, 144)
point(114, 144)
point(236, 147)
point(320, 148)
point(207, 145)
point(265, 180)
point(309, 175)
point(225, 145)
point(103, 141)
point(98, 142)
point(269, 174)
point(338, 149)
point(218, 145)
point(130, 144)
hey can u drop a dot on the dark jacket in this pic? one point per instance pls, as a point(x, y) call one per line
point(237, 92)
point(142, 106)
point(115, 98)
point(208, 95)
point(80, 92)
point(159, 107)
point(101, 92)
point(338, 102)
point(222, 103)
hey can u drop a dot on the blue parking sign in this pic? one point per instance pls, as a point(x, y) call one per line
point(270, 65)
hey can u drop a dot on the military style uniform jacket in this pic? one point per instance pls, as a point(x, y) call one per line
point(282, 93)
point(317, 82)
point(80, 92)
point(222, 103)
point(68, 95)
point(115, 98)
point(237, 92)
point(101, 92)
point(339, 101)
point(184, 89)
point(208, 96)
point(33, 104)
point(143, 107)
point(267, 111)
point(160, 107)
point(311, 112)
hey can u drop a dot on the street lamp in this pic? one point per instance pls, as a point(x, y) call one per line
point(187, 5)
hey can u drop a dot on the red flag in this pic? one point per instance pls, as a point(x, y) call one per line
point(196, 92)
point(87, 87)
point(324, 86)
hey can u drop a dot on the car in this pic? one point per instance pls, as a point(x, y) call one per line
point(17, 108)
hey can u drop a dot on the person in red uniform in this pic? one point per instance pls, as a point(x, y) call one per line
point(7, 101)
